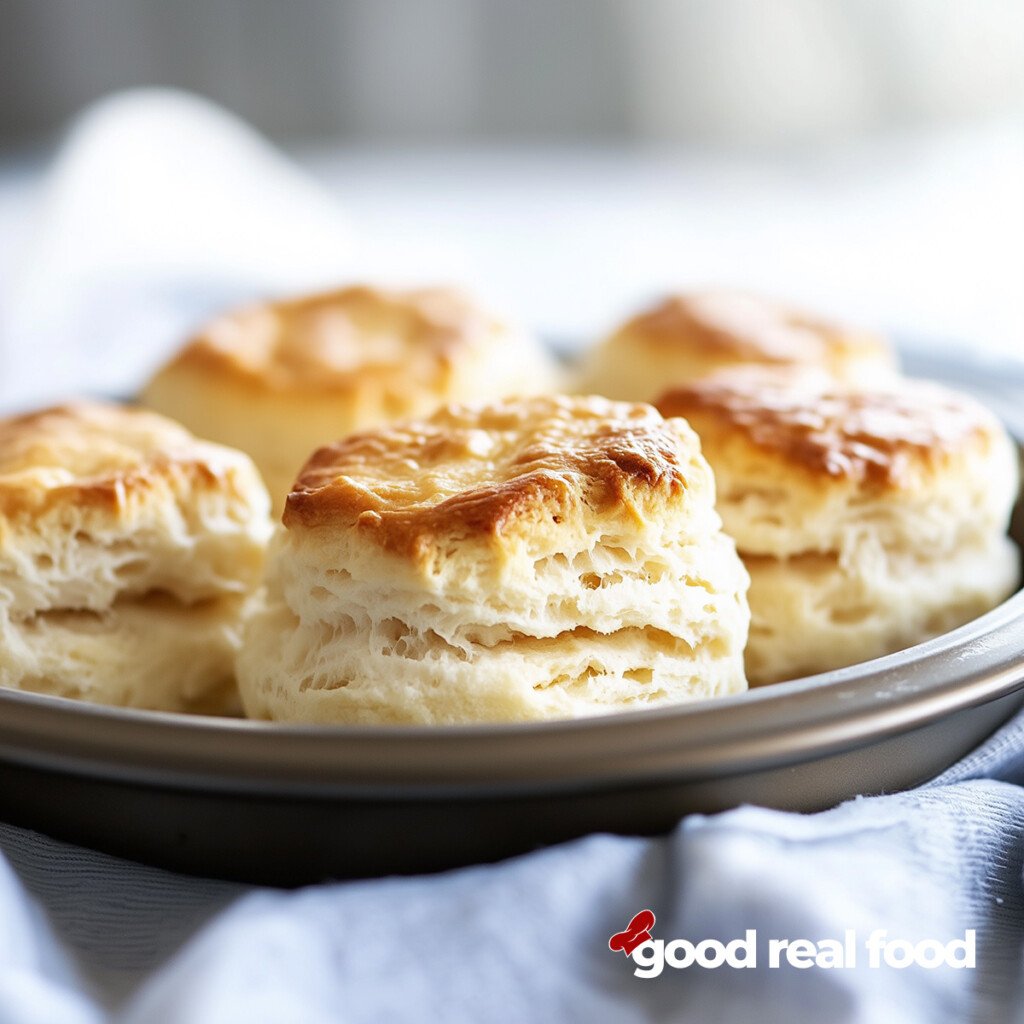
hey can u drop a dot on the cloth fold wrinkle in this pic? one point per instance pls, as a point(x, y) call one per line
point(38, 984)
point(527, 938)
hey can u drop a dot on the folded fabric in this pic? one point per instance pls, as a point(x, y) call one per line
point(159, 209)
point(37, 983)
point(528, 939)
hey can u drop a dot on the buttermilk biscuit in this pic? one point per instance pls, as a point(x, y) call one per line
point(870, 520)
point(127, 549)
point(686, 337)
point(279, 379)
point(529, 559)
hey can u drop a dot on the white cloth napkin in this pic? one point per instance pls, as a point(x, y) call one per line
point(161, 208)
point(527, 940)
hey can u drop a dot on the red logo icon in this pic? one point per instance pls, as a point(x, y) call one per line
point(637, 932)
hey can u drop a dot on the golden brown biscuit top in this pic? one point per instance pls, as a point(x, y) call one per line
point(93, 453)
point(874, 437)
point(332, 341)
point(483, 471)
point(742, 327)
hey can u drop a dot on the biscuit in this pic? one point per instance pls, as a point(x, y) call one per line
point(279, 379)
point(686, 337)
point(527, 559)
point(870, 520)
point(127, 549)
point(151, 652)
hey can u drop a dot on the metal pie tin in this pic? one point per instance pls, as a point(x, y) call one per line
point(285, 804)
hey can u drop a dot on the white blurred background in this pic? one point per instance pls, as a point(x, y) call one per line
point(743, 72)
point(565, 157)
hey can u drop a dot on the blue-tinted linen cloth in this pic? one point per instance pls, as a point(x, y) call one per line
point(88, 938)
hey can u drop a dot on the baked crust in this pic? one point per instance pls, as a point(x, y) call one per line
point(894, 438)
point(109, 459)
point(330, 342)
point(688, 336)
point(492, 472)
point(746, 328)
